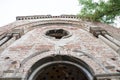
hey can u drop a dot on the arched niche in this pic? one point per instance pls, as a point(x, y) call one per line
point(60, 67)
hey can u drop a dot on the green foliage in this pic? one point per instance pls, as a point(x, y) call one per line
point(100, 11)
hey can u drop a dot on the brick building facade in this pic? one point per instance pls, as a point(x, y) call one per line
point(45, 47)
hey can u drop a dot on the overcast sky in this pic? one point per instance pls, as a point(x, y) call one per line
point(12, 8)
point(9, 9)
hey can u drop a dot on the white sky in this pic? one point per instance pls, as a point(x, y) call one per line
point(9, 9)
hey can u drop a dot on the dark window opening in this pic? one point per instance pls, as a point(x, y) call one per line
point(58, 72)
point(64, 68)
point(57, 33)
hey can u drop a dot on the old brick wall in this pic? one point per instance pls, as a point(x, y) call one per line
point(34, 45)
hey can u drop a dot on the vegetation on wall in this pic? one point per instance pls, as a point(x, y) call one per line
point(100, 11)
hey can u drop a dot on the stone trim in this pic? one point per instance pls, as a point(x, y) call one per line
point(45, 16)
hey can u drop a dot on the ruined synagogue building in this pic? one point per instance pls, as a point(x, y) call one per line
point(65, 47)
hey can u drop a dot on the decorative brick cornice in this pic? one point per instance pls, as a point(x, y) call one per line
point(45, 17)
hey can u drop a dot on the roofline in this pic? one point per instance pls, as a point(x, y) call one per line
point(45, 17)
